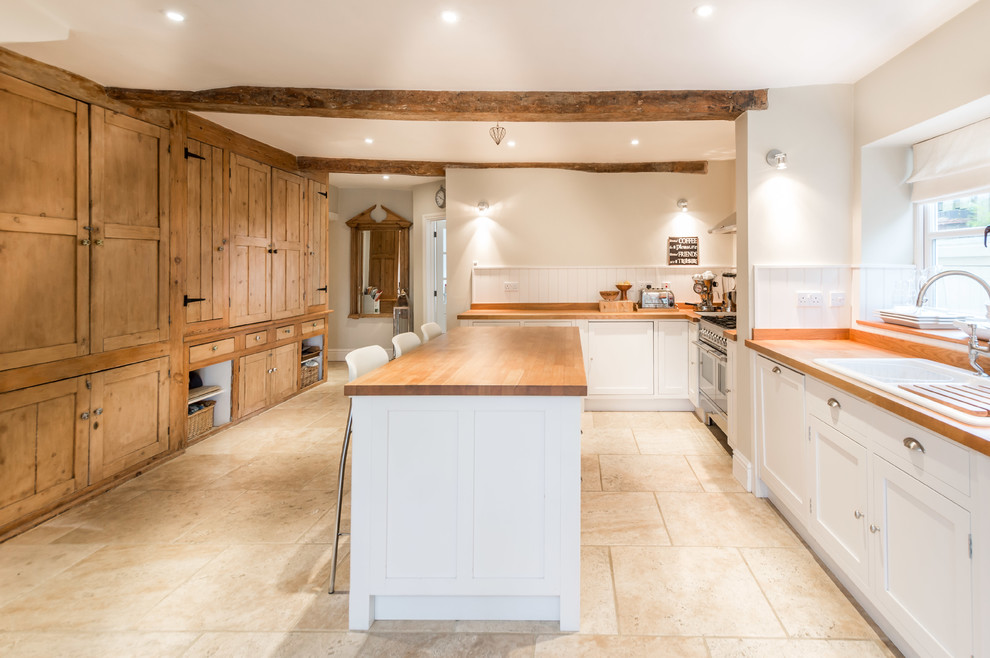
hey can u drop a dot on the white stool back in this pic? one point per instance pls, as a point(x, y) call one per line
point(405, 343)
point(365, 359)
point(430, 331)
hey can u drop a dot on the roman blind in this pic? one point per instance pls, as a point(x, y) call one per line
point(952, 164)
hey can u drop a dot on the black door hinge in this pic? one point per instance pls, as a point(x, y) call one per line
point(323, 289)
point(189, 154)
point(187, 300)
point(323, 194)
point(434, 293)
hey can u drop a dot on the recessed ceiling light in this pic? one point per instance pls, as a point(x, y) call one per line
point(175, 16)
point(385, 177)
point(511, 144)
point(635, 142)
point(450, 17)
point(368, 140)
point(704, 11)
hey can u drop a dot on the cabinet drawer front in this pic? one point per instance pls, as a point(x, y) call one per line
point(839, 409)
point(210, 350)
point(941, 459)
point(287, 331)
point(257, 338)
point(313, 326)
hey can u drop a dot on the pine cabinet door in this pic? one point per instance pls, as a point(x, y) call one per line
point(288, 240)
point(43, 446)
point(206, 236)
point(251, 241)
point(317, 257)
point(253, 383)
point(285, 372)
point(44, 207)
point(129, 417)
point(130, 231)
point(781, 435)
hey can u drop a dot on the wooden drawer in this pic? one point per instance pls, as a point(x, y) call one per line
point(288, 331)
point(210, 350)
point(842, 411)
point(257, 338)
point(313, 326)
point(942, 459)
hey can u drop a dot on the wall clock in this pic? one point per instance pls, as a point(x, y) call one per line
point(441, 197)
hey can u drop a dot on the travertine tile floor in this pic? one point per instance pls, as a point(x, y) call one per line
point(225, 551)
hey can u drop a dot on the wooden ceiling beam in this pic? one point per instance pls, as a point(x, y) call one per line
point(507, 106)
point(420, 168)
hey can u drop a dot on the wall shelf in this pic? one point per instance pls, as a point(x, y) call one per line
point(204, 393)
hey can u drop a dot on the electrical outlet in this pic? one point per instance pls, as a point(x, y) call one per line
point(810, 298)
point(837, 298)
point(665, 285)
point(511, 286)
point(646, 284)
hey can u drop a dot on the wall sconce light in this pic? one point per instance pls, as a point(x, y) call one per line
point(482, 207)
point(777, 159)
point(682, 204)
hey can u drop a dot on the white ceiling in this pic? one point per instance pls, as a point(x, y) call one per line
point(523, 45)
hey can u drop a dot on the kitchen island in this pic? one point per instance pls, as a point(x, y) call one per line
point(465, 485)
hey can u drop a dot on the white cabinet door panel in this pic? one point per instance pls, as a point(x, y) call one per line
point(621, 358)
point(781, 435)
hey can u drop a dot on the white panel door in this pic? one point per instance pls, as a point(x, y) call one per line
point(621, 359)
point(781, 435)
point(674, 358)
point(924, 578)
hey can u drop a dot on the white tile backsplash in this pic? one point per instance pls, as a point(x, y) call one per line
point(885, 286)
point(548, 285)
point(775, 290)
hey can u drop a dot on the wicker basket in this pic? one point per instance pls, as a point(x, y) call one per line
point(200, 421)
point(310, 375)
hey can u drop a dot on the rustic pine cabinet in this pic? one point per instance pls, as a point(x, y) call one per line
point(129, 237)
point(288, 242)
point(205, 296)
point(44, 215)
point(267, 378)
point(251, 241)
point(317, 244)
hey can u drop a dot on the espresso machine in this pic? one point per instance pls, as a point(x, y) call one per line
point(704, 285)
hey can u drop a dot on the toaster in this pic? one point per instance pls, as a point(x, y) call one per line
point(655, 298)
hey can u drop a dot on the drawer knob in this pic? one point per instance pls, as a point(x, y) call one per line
point(98, 412)
point(914, 445)
point(775, 370)
point(832, 402)
point(257, 337)
point(84, 415)
point(215, 348)
point(858, 514)
point(874, 528)
point(314, 324)
point(84, 243)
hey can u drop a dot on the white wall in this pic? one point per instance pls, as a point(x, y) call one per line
point(543, 217)
point(347, 334)
point(424, 204)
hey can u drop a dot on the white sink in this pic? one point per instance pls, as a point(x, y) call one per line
point(888, 374)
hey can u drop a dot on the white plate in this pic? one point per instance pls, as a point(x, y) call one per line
point(982, 327)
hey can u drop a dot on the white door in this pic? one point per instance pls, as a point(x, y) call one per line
point(437, 285)
point(621, 358)
point(781, 435)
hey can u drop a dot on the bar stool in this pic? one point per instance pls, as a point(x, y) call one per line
point(430, 331)
point(406, 342)
point(359, 362)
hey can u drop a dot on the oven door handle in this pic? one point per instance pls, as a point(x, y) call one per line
point(711, 352)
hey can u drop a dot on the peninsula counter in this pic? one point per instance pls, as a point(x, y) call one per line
point(466, 477)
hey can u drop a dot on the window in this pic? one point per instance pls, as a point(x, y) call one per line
point(953, 240)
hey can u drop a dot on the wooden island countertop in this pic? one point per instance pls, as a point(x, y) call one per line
point(492, 361)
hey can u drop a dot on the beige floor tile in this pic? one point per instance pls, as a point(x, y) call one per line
point(24, 567)
point(279, 417)
point(723, 519)
point(647, 473)
point(611, 419)
point(507, 645)
point(682, 441)
point(94, 645)
point(612, 519)
point(308, 440)
point(682, 420)
point(587, 420)
point(609, 646)
point(247, 588)
point(715, 473)
point(321, 532)
point(261, 516)
point(806, 600)
point(483, 626)
point(276, 645)
point(612, 441)
point(740, 648)
point(188, 472)
point(591, 475)
point(242, 441)
point(111, 589)
point(412, 626)
point(597, 592)
point(275, 472)
point(330, 611)
point(689, 592)
point(42, 534)
point(154, 517)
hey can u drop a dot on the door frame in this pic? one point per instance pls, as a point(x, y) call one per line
point(429, 260)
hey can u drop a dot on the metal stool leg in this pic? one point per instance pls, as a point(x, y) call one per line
point(340, 499)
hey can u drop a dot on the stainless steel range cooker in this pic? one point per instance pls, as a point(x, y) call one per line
point(712, 365)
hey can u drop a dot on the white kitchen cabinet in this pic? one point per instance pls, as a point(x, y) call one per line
point(693, 360)
point(548, 323)
point(923, 575)
point(621, 357)
point(840, 483)
point(781, 435)
point(730, 395)
point(494, 323)
point(672, 369)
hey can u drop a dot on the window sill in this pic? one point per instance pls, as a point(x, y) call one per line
point(947, 335)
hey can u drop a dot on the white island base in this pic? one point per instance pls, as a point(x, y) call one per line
point(465, 508)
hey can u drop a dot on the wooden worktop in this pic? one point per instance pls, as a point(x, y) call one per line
point(496, 361)
point(800, 355)
point(571, 312)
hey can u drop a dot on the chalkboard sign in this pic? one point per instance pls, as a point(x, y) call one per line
point(682, 251)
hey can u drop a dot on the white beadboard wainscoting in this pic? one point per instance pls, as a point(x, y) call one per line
point(548, 285)
point(884, 286)
point(776, 289)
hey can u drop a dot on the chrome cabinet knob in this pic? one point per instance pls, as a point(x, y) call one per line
point(775, 370)
point(858, 514)
point(98, 412)
point(874, 528)
point(84, 415)
point(914, 445)
point(257, 337)
point(832, 402)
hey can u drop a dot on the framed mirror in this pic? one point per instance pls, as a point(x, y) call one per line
point(379, 262)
